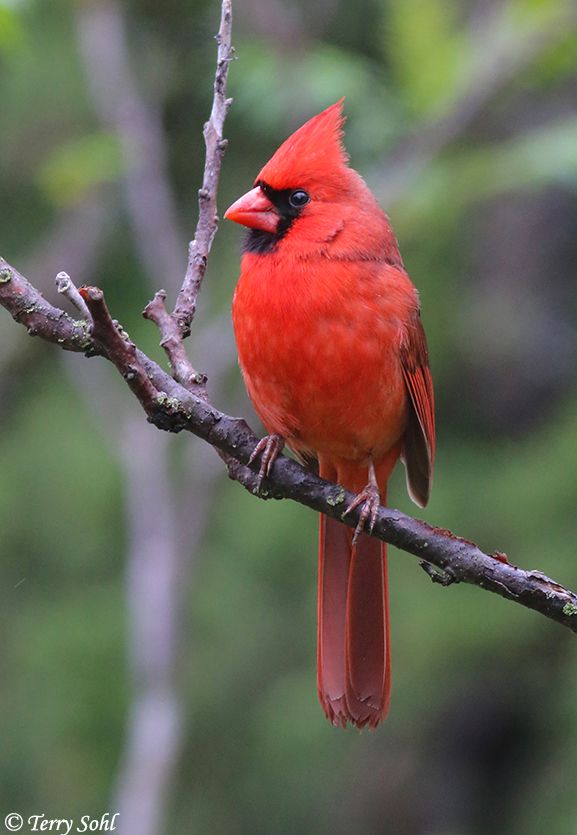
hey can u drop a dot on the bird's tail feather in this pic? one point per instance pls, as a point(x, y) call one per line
point(353, 663)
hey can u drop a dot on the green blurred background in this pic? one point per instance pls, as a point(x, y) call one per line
point(157, 623)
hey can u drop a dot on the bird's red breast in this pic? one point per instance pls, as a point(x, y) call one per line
point(319, 343)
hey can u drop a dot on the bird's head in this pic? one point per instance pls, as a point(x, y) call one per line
point(307, 184)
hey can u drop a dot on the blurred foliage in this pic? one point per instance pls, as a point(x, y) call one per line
point(482, 735)
point(77, 167)
point(410, 29)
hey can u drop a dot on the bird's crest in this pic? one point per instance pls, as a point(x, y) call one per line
point(314, 150)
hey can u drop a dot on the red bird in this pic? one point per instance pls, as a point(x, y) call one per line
point(335, 361)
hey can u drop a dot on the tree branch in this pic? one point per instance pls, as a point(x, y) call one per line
point(172, 407)
point(28, 306)
point(171, 340)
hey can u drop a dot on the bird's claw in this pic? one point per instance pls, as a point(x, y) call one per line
point(269, 448)
point(370, 499)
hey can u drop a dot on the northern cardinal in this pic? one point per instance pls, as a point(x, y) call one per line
point(334, 358)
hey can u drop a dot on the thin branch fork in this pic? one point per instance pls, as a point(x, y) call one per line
point(171, 342)
point(172, 407)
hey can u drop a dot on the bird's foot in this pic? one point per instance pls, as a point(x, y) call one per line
point(370, 499)
point(269, 448)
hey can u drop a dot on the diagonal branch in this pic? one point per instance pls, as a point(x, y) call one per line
point(172, 407)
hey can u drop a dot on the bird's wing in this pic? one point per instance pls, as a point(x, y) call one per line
point(419, 441)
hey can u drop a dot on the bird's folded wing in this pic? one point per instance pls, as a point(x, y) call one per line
point(419, 442)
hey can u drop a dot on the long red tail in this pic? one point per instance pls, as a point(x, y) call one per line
point(354, 661)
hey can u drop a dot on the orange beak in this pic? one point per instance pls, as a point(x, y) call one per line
point(254, 210)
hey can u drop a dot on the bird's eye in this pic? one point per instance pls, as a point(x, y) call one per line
point(299, 198)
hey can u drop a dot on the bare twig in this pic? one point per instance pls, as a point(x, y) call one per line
point(66, 286)
point(28, 307)
point(171, 341)
point(175, 327)
point(116, 344)
point(207, 225)
point(172, 407)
